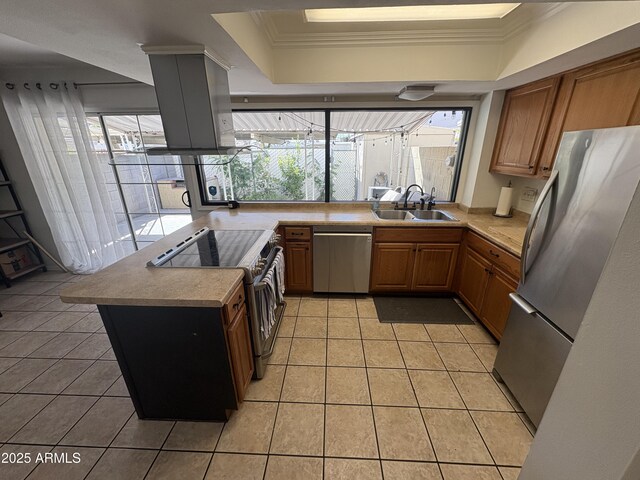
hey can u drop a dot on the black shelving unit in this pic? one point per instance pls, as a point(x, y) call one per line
point(11, 243)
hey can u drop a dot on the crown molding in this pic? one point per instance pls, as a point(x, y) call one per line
point(382, 38)
point(519, 24)
point(514, 24)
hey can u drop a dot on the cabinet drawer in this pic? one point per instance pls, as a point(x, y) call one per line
point(418, 234)
point(297, 233)
point(495, 254)
point(235, 303)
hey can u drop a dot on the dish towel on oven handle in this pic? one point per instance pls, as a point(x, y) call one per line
point(278, 266)
point(272, 295)
point(268, 304)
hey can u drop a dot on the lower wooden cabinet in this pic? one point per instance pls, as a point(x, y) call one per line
point(484, 286)
point(435, 267)
point(413, 267)
point(297, 243)
point(238, 336)
point(496, 304)
point(298, 266)
point(240, 351)
point(473, 279)
point(392, 266)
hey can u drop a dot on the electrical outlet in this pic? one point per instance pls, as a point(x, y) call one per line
point(529, 194)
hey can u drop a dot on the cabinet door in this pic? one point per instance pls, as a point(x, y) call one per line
point(496, 305)
point(240, 351)
point(603, 95)
point(523, 125)
point(474, 275)
point(392, 266)
point(434, 267)
point(298, 267)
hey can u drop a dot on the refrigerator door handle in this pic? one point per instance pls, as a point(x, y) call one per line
point(532, 223)
point(522, 303)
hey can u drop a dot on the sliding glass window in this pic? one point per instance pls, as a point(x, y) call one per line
point(374, 154)
point(281, 157)
point(152, 189)
point(378, 154)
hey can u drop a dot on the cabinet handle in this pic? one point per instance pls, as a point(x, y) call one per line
point(497, 255)
point(236, 306)
point(296, 234)
point(487, 270)
point(545, 168)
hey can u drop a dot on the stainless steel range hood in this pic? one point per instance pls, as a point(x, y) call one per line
point(193, 96)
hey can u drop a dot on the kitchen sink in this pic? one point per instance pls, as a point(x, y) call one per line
point(413, 215)
point(431, 215)
point(393, 214)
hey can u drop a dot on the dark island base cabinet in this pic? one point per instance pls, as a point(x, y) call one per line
point(174, 360)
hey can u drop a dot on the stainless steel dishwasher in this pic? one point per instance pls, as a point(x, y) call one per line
point(341, 258)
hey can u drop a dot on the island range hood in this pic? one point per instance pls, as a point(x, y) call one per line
point(193, 96)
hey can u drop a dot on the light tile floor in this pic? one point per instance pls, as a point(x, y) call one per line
point(344, 397)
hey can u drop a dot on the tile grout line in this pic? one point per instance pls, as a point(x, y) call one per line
point(471, 416)
point(373, 417)
point(275, 418)
point(501, 392)
point(324, 406)
point(433, 449)
point(67, 386)
point(465, 403)
point(175, 422)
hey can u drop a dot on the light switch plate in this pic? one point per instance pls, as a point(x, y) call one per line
point(529, 194)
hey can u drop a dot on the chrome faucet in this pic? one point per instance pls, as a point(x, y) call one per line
point(406, 194)
point(432, 199)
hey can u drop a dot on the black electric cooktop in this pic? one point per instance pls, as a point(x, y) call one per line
point(223, 248)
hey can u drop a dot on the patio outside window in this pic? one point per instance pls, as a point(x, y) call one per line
point(152, 187)
point(373, 155)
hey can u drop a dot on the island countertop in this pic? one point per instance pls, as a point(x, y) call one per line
point(130, 282)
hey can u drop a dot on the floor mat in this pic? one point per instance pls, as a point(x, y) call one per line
point(420, 310)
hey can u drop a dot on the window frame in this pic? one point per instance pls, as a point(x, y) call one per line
point(464, 133)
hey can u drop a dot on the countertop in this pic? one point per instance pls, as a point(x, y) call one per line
point(130, 282)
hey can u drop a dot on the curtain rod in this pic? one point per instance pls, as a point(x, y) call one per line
point(92, 84)
point(54, 85)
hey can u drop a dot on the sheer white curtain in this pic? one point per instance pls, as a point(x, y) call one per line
point(51, 129)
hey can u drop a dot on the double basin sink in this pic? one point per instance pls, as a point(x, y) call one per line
point(414, 215)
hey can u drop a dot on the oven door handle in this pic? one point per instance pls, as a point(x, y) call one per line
point(258, 283)
point(283, 307)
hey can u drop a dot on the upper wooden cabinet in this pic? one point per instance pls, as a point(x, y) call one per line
point(534, 116)
point(603, 95)
point(523, 124)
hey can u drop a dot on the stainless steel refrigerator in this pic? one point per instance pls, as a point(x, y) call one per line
point(572, 229)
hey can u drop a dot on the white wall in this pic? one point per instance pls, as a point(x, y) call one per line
point(519, 184)
point(591, 428)
point(481, 188)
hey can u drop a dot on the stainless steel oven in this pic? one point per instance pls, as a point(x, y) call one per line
point(265, 297)
point(258, 254)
